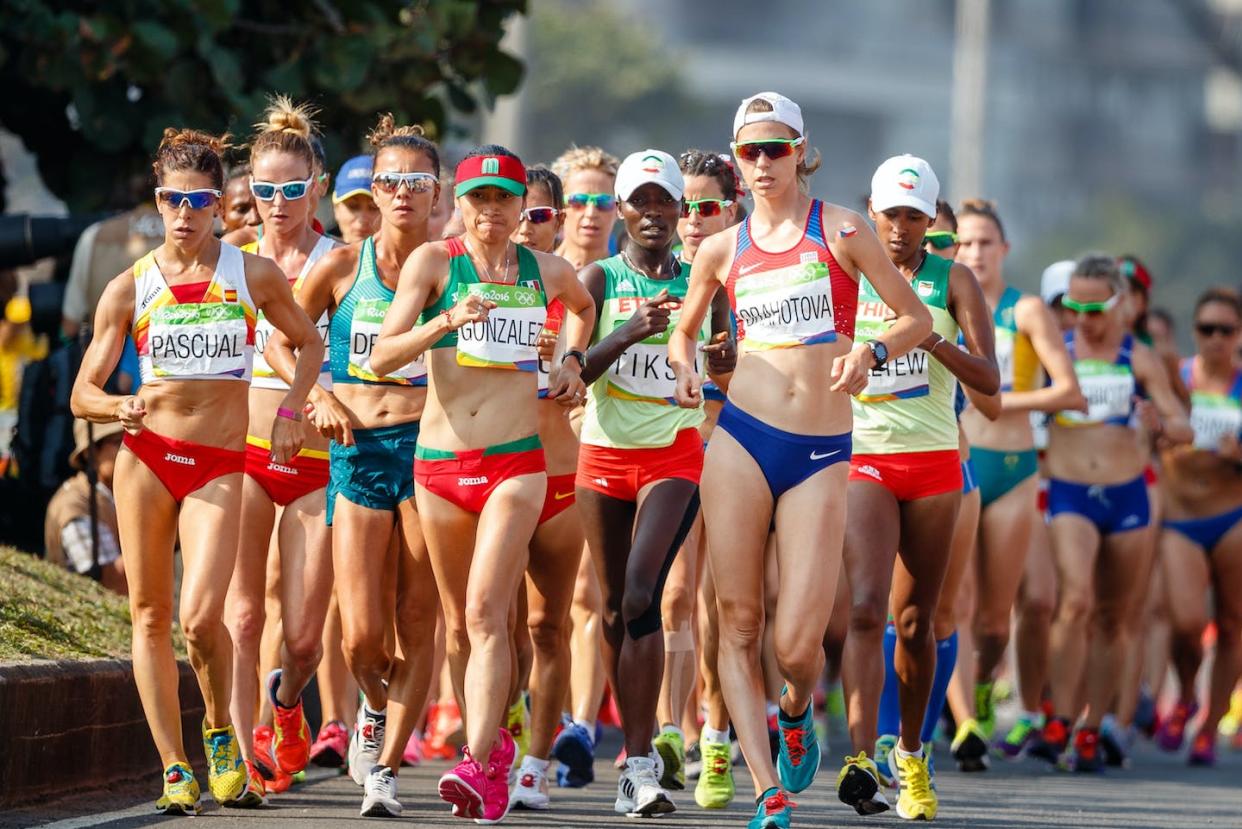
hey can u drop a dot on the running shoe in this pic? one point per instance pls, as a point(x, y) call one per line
point(694, 761)
point(1172, 731)
point(970, 747)
point(331, 746)
point(917, 800)
point(799, 752)
point(715, 788)
point(619, 762)
point(226, 773)
point(985, 709)
point(463, 787)
point(1051, 741)
point(1145, 713)
point(858, 785)
point(1086, 756)
point(638, 790)
point(671, 747)
point(366, 744)
point(774, 736)
point(495, 792)
point(1202, 749)
point(379, 797)
point(531, 789)
point(774, 811)
point(412, 755)
point(883, 750)
point(254, 794)
point(181, 793)
point(518, 723)
point(443, 723)
point(575, 751)
point(275, 780)
point(292, 744)
point(1019, 736)
point(1115, 742)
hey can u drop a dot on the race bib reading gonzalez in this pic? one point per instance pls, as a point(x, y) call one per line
point(509, 337)
point(902, 377)
point(786, 307)
point(642, 372)
point(198, 340)
point(1213, 416)
point(1109, 390)
point(364, 329)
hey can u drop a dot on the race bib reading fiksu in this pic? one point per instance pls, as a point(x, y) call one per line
point(787, 307)
point(902, 377)
point(1109, 389)
point(509, 337)
point(1213, 416)
point(642, 372)
point(364, 329)
point(203, 340)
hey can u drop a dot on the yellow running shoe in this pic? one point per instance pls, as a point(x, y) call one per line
point(181, 793)
point(255, 793)
point(518, 724)
point(226, 773)
point(918, 799)
point(715, 788)
point(858, 785)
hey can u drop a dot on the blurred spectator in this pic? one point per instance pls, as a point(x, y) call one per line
point(353, 206)
point(80, 530)
point(18, 346)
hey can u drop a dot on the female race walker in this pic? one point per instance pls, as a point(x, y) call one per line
point(373, 419)
point(1098, 508)
point(191, 307)
point(476, 304)
point(905, 486)
point(781, 447)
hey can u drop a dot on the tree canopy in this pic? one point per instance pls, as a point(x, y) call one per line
point(89, 87)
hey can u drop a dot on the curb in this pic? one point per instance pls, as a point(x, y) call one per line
point(80, 725)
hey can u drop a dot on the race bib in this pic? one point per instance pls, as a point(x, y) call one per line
point(787, 307)
point(364, 329)
point(1004, 357)
point(263, 331)
point(509, 337)
point(642, 372)
point(1213, 416)
point(902, 377)
point(198, 340)
point(1109, 390)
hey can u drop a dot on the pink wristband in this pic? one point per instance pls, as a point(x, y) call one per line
point(288, 414)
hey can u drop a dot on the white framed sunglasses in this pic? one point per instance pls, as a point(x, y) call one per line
point(390, 181)
point(196, 199)
point(291, 190)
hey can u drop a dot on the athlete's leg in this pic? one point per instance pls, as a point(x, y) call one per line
point(338, 692)
point(957, 607)
point(273, 624)
point(244, 611)
point(871, 539)
point(1004, 533)
point(306, 588)
point(208, 529)
point(716, 713)
point(147, 522)
point(1187, 575)
point(1037, 601)
point(1122, 574)
point(1227, 588)
point(586, 679)
point(1131, 678)
point(523, 649)
point(677, 611)
point(926, 533)
point(1076, 547)
point(360, 541)
point(551, 574)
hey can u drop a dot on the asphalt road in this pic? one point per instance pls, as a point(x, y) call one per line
point(1158, 791)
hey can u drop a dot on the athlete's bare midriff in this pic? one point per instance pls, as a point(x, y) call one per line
point(376, 406)
point(788, 388)
point(263, 406)
point(206, 412)
point(1196, 483)
point(471, 408)
point(1011, 432)
point(1099, 454)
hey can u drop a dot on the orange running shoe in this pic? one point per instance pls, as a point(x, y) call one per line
point(443, 722)
point(275, 778)
point(292, 744)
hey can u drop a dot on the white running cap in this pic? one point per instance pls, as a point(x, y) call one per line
point(784, 111)
point(1055, 281)
point(905, 181)
point(649, 166)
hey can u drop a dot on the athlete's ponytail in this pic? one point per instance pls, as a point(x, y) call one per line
point(191, 150)
point(411, 137)
point(288, 128)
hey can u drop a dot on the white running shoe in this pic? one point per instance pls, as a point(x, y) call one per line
point(380, 799)
point(365, 745)
point(531, 789)
point(638, 790)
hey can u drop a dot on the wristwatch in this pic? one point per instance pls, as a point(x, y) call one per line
point(879, 352)
point(577, 355)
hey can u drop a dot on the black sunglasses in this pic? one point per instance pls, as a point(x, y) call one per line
point(1211, 329)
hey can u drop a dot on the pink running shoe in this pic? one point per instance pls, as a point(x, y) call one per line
point(1173, 729)
point(496, 779)
point(463, 787)
point(331, 746)
point(413, 754)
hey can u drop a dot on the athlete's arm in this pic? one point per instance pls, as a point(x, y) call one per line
point(856, 243)
point(316, 296)
point(401, 338)
point(270, 291)
point(705, 271)
point(977, 369)
point(88, 400)
point(565, 382)
point(1062, 393)
point(1150, 371)
point(721, 351)
point(650, 318)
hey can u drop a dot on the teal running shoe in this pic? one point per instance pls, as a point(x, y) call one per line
point(799, 756)
point(774, 811)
